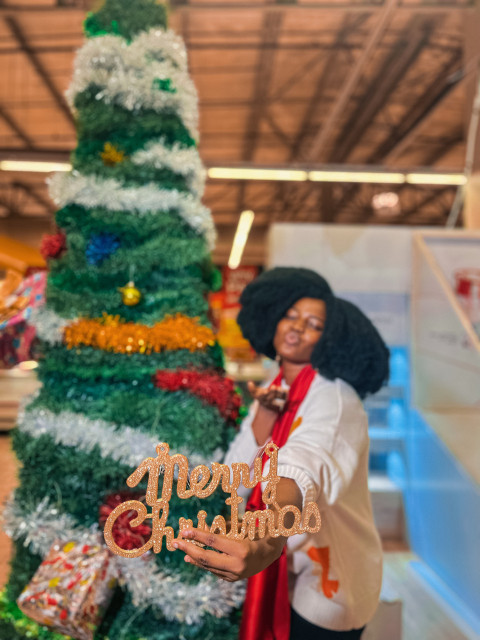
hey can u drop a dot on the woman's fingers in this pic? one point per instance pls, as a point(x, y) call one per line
point(224, 575)
point(220, 543)
point(228, 564)
point(209, 560)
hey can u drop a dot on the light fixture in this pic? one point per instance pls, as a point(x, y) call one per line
point(245, 173)
point(32, 165)
point(27, 365)
point(357, 176)
point(353, 174)
point(437, 178)
point(240, 239)
point(386, 204)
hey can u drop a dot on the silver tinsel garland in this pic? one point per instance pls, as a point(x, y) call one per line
point(108, 193)
point(48, 325)
point(186, 162)
point(127, 74)
point(121, 443)
point(147, 583)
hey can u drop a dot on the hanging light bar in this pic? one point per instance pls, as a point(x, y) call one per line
point(245, 173)
point(350, 174)
point(33, 165)
point(436, 178)
point(357, 176)
point(240, 239)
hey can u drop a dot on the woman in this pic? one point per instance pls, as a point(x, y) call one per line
point(331, 356)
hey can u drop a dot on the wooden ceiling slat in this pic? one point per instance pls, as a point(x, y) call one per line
point(16, 128)
point(37, 64)
point(400, 60)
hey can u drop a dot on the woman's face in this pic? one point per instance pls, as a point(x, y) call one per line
point(300, 329)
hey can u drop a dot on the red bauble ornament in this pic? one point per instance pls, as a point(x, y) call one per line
point(53, 246)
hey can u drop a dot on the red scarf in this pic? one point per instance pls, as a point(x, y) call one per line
point(266, 611)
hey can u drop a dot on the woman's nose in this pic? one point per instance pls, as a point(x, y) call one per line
point(298, 325)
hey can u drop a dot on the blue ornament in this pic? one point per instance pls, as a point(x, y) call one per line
point(100, 247)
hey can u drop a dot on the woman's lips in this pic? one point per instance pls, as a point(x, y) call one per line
point(292, 338)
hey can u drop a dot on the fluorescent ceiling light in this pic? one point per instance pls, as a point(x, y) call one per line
point(240, 239)
point(238, 173)
point(32, 165)
point(436, 178)
point(286, 175)
point(356, 176)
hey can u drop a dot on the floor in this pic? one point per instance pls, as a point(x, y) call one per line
point(423, 617)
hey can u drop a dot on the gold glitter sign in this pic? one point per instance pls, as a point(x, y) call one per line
point(202, 482)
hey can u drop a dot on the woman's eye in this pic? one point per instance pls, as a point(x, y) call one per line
point(315, 326)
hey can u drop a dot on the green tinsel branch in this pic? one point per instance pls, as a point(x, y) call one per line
point(152, 308)
point(98, 122)
point(131, 228)
point(117, 18)
point(179, 418)
point(132, 175)
point(87, 363)
point(176, 253)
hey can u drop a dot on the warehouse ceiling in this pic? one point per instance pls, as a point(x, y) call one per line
point(280, 83)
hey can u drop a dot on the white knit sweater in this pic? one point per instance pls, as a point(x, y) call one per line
point(336, 574)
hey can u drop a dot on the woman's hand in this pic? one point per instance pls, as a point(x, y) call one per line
point(233, 560)
point(270, 404)
point(272, 398)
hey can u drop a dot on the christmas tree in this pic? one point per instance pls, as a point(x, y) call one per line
point(128, 355)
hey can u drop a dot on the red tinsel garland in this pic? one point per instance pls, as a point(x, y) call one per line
point(211, 387)
point(125, 536)
point(53, 246)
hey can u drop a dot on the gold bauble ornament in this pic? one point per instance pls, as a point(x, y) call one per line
point(130, 294)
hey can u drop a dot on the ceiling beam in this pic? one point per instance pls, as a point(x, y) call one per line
point(434, 155)
point(272, 24)
point(180, 6)
point(271, 29)
point(16, 128)
point(30, 191)
point(409, 215)
point(404, 134)
point(394, 68)
point(330, 68)
point(323, 136)
point(38, 65)
point(285, 195)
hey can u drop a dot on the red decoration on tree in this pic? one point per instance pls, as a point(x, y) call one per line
point(53, 245)
point(125, 536)
point(211, 387)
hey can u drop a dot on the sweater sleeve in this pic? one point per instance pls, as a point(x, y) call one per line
point(323, 451)
point(244, 447)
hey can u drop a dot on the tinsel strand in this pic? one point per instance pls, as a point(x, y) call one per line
point(49, 325)
point(112, 334)
point(92, 192)
point(122, 443)
point(120, 72)
point(148, 585)
point(186, 162)
point(211, 387)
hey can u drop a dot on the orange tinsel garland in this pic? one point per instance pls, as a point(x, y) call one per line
point(110, 333)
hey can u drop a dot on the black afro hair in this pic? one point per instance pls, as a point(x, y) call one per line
point(350, 347)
